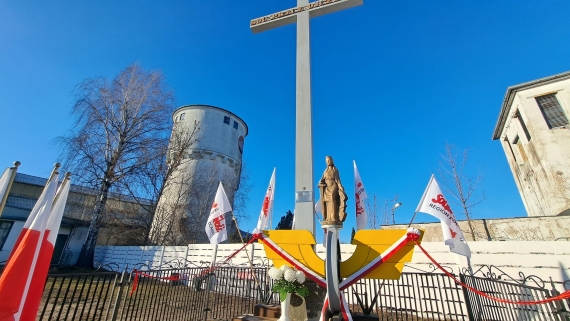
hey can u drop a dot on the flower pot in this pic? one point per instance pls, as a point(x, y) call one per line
point(285, 309)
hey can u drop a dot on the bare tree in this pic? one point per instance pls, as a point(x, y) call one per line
point(161, 173)
point(380, 214)
point(464, 188)
point(117, 124)
point(182, 212)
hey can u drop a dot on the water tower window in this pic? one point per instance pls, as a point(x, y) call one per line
point(182, 116)
point(226, 120)
point(235, 125)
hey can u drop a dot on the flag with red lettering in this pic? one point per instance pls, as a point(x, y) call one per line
point(266, 207)
point(23, 279)
point(359, 196)
point(216, 224)
point(434, 203)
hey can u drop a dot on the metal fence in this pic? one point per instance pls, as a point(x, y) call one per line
point(198, 294)
point(78, 296)
point(167, 294)
point(496, 283)
point(415, 296)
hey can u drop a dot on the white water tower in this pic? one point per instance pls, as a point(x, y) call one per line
point(215, 156)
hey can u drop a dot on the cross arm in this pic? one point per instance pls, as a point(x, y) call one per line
point(285, 17)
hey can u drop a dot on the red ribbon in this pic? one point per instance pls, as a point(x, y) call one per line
point(562, 296)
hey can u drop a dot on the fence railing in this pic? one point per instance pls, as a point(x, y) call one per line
point(198, 294)
point(78, 296)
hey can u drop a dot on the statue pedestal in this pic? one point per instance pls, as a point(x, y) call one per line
point(314, 301)
point(364, 317)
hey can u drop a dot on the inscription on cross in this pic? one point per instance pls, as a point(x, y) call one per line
point(304, 183)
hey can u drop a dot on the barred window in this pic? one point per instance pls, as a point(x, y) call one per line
point(552, 111)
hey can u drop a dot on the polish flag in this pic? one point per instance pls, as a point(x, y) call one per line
point(434, 203)
point(216, 224)
point(22, 282)
point(266, 207)
point(359, 197)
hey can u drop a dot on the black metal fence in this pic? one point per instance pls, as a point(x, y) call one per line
point(496, 283)
point(167, 294)
point(78, 296)
point(198, 294)
point(415, 296)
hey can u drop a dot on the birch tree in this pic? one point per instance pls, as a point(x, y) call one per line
point(117, 123)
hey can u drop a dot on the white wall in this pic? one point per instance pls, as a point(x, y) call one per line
point(543, 259)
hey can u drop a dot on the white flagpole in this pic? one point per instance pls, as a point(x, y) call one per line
point(215, 254)
point(422, 200)
point(11, 180)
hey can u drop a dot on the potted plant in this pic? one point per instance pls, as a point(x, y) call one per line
point(287, 280)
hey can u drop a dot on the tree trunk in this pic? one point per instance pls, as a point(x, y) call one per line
point(88, 250)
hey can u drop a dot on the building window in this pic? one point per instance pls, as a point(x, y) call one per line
point(182, 116)
point(552, 111)
point(226, 120)
point(523, 125)
point(235, 125)
point(5, 228)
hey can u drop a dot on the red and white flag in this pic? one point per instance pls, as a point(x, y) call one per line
point(434, 203)
point(359, 196)
point(216, 224)
point(266, 207)
point(22, 282)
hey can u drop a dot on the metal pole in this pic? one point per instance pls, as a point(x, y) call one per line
point(121, 284)
point(12, 176)
point(208, 283)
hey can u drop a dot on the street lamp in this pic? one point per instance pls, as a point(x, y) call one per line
point(394, 209)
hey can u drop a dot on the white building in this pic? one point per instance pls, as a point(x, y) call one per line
point(533, 128)
point(215, 156)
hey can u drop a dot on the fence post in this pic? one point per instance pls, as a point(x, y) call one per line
point(467, 298)
point(121, 285)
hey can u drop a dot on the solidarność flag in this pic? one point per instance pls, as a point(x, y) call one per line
point(216, 224)
point(266, 207)
point(359, 197)
point(434, 203)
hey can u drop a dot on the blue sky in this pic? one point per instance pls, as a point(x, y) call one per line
point(392, 81)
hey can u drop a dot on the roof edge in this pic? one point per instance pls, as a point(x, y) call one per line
point(510, 94)
point(213, 107)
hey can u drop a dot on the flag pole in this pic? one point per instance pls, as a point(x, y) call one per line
point(246, 253)
point(12, 176)
point(422, 199)
point(66, 180)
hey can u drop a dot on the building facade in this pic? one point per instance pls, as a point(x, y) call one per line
point(214, 156)
point(117, 227)
point(533, 128)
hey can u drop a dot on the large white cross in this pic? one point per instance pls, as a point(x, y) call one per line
point(304, 184)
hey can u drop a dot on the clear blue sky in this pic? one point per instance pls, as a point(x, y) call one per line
point(392, 82)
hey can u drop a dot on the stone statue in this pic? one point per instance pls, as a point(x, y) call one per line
point(333, 197)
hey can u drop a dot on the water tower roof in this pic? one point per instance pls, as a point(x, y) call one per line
point(200, 106)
